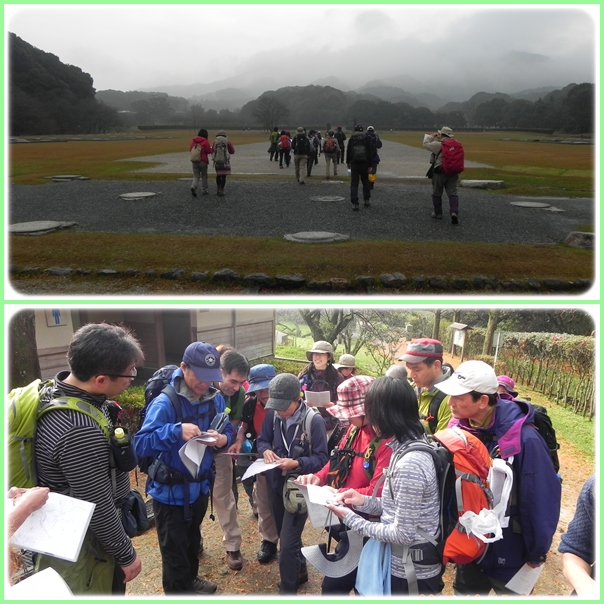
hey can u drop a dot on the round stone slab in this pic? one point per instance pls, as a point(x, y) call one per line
point(139, 195)
point(38, 227)
point(316, 237)
point(530, 204)
point(328, 198)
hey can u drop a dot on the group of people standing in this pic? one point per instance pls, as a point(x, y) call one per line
point(215, 393)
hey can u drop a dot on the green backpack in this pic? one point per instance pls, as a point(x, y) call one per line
point(24, 412)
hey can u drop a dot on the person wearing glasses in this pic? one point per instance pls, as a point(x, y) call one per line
point(73, 456)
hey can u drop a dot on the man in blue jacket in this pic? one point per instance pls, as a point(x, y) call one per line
point(180, 499)
point(506, 428)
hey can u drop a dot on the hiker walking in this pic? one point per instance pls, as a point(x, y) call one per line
point(359, 157)
point(222, 149)
point(200, 149)
point(301, 148)
point(341, 138)
point(274, 148)
point(446, 161)
point(331, 152)
point(375, 160)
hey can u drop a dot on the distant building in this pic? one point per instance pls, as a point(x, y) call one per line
point(163, 333)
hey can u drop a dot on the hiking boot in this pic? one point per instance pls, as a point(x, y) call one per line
point(367, 204)
point(302, 182)
point(205, 192)
point(454, 219)
point(203, 587)
point(194, 192)
point(355, 207)
point(235, 560)
point(267, 552)
point(437, 216)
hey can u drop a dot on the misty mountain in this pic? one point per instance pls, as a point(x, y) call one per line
point(474, 101)
point(533, 94)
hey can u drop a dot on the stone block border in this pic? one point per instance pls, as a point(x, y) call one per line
point(387, 283)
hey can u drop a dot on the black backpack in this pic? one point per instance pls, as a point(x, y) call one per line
point(160, 382)
point(445, 473)
point(359, 147)
point(302, 145)
point(544, 426)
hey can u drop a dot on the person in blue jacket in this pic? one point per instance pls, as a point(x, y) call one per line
point(285, 439)
point(506, 429)
point(180, 499)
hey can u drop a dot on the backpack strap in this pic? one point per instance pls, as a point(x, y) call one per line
point(433, 409)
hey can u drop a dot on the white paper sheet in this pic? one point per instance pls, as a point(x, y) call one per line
point(45, 585)
point(524, 580)
point(57, 528)
point(258, 467)
point(318, 399)
point(192, 452)
point(316, 499)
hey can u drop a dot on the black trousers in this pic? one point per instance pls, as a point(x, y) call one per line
point(292, 563)
point(359, 171)
point(426, 587)
point(470, 580)
point(179, 541)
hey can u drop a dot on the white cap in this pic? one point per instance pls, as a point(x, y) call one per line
point(470, 376)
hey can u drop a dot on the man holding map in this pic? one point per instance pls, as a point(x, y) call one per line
point(180, 496)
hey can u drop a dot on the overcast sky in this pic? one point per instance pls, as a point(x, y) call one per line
point(130, 47)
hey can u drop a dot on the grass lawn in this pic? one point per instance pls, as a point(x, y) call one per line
point(277, 257)
point(530, 168)
point(527, 166)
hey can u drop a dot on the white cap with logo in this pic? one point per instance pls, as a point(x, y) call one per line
point(471, 376)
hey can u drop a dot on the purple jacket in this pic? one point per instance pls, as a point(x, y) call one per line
point(534, 517)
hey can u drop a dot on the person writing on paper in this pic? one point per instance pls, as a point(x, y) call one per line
point(72, 455)
point(507, 430)
point(577, 545)
point(357, 463)
point(409, 506)
point(180, 499)
point(254, 412)
point(301, 448)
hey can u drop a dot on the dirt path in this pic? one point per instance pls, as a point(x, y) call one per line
point(262, 579)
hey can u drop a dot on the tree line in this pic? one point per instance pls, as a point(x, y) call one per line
point(50, 97)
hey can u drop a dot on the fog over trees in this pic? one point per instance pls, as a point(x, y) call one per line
point(50, 97)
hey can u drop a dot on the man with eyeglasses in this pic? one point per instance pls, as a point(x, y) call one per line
point(73, 456)
point(180, 497)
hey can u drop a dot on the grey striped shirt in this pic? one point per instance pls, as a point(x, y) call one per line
point(72, 457)
point(413, 502)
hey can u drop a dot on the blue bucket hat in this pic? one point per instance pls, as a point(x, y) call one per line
point(260, 377)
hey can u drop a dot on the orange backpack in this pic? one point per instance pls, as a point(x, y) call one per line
point(472, 462)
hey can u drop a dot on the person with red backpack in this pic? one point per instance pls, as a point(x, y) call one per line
point(507, 429)
point(331, 151)
point(447, 161)
point(285, 145)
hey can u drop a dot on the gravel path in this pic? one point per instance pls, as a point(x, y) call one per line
point(400, 208)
